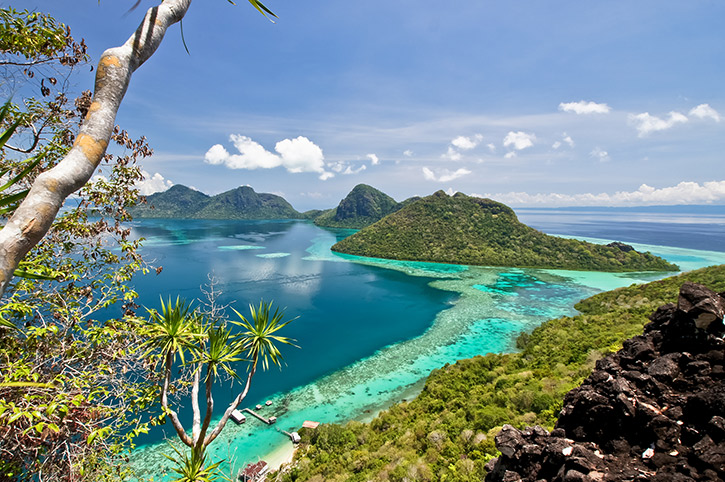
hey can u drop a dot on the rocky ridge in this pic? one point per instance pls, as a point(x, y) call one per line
point(654, 411)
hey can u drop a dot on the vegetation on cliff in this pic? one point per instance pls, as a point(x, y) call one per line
point(363, 206)
point(467, 230)
point(447, 432)
point(240, 203)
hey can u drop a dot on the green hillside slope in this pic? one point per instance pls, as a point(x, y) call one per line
point(363, 206)
point(467, 230)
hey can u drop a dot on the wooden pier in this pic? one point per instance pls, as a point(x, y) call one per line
point(268, 421)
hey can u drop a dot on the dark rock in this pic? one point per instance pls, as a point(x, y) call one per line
point(623, 247)
point(702, 304)
point(654, 411)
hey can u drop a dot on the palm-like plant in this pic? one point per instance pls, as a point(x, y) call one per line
point(172, 331)
point(259, 340)
point(218, 347)
point(192, 468)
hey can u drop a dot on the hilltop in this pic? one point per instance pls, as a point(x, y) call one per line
point(240, 203)
point(363, 206)
point(461, 229)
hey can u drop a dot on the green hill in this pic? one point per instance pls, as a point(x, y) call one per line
point(240, 203)
point(466, 230)
point(362, 207)
point(244, 203)
point(176, 202)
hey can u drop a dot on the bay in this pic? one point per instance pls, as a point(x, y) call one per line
point(371, 330)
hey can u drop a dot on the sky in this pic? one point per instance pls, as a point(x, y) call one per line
point(531, 103)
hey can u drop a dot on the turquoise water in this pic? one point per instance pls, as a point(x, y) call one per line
point(370, 330)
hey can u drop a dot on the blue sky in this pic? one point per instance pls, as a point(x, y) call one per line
point(532, 103)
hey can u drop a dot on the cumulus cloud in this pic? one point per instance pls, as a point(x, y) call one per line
point(566, 139)
point(646, 123)
point(683, 193)
point(296, 155)
point(510, 155)
point(408, 153)
point(467, 143)
point(153, 183)
point(452, 154)
point(374, 159)
point(704, 111)
point(519, 140)
point(599, 154)
point(444, 175)
point(491, 147)
point(345, 168)
point(584, 107)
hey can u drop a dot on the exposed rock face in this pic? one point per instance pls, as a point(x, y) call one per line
point(654, 411)
point(624, 247)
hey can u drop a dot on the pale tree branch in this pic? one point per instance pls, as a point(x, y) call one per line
point(232, 406)
point(196, 427)
point(200, 443)
point(34, 217)
point(165, 402)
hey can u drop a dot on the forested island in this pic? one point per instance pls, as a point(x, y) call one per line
point(461, 229)
point(363, 206)
point(241, 203)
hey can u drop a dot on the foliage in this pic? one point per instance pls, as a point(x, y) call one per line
point(70, 396)
point(240, 203)
point(215, 349)
point(447, 432)
point(363, 206)
point(466, 230)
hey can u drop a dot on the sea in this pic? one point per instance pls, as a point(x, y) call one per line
point(369, 331)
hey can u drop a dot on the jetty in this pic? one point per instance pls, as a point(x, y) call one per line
point(268, 421)
point(293, 436)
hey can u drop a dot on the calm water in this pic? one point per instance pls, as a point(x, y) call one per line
point(371, 330)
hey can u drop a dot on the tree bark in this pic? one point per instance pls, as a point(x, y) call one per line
point(34, 217)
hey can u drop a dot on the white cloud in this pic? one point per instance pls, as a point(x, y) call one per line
point(566, 139)
point(600, 154)
point(519, 140)
point(646, 123)
point(467, 143)
point(682, 193)
point(350, 170)
point(444, 175)
point(491, 147)
point(584, 107)
point(704, 111)
point(452, 154)
point(296, 155)
point(151, 184)
point(408, 153)
point(374, 159)
point(510, 155)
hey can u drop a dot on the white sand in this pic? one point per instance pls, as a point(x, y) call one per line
point(280, 456)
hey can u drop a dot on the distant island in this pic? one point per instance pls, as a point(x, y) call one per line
point(460, 229)
point(363, 206)
point(240, 203)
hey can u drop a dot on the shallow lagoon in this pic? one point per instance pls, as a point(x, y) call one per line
point(370, 330)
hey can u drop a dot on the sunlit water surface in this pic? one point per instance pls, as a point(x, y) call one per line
point(371, 330)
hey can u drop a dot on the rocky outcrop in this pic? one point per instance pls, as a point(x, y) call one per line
point(654, 411)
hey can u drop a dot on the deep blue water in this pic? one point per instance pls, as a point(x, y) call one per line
point(371, 330)
point(346, 311)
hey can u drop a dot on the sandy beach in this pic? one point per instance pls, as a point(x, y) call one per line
point(280, 456)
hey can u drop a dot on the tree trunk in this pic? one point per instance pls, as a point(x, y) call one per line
point(34, 217)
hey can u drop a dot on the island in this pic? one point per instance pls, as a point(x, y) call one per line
point(241, 203)
point(462, 229)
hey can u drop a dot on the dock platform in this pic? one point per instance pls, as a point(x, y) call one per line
point(268, 421)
